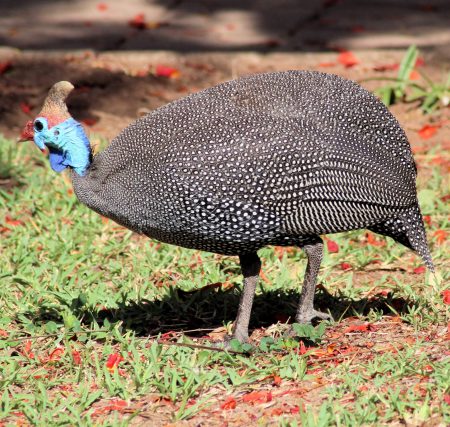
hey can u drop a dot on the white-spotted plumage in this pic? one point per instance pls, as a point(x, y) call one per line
point(269, 159)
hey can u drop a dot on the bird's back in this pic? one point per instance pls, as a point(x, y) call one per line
point(266, 159)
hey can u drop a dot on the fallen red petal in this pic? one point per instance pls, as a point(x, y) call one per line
point(366, 327)
point(230, 403)
point(346, 266)
point(76, 357)
point(13, 222)
point(138, 22)
point(441, 236)
point(27, 350)
point(446, 296)
point(113, 361)
point(420, 270)
point(427, 131)
point(167, 72)
point(428, 369)
point(332, 246)
point(348, 59)
point(386, 67)
point(447, 399)
point(114, 405)
point(419, 62)
point(414, 75)
point(258, 397)
point(302, 349)
point(102, 7)
point(56, 354)
point(373, 241)
point(276, 380)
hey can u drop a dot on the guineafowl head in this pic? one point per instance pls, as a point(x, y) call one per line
point(56, 130)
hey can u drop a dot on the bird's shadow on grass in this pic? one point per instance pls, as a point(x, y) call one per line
point(196, 312)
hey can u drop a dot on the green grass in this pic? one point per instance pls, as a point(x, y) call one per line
point(87, 288)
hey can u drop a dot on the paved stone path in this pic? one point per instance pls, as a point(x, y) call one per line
point(230, 25)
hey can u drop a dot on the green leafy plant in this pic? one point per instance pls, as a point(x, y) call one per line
point(431, 95)
point(309, 332)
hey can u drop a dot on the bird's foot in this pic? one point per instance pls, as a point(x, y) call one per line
point(307, 316)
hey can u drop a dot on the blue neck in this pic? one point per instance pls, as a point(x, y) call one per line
point(68, 146)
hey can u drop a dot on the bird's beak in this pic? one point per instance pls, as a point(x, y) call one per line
point(27, 133)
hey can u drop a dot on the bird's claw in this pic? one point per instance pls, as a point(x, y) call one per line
point(306, 317)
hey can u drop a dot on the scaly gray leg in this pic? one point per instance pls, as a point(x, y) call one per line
point(250, 266)
point(305, 310)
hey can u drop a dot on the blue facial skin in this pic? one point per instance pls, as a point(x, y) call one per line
point(67, 143)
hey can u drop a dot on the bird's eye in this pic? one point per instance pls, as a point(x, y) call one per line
point(56, 132)
point(38, 125)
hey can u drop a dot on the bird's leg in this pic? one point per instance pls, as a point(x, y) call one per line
point(250, 266)
point(305, 310)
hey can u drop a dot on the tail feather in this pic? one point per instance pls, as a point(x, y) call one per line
point(409, 230)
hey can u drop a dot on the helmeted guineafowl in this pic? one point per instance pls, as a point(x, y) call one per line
point(269, 159)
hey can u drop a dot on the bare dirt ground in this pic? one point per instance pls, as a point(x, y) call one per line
point(113, 89)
